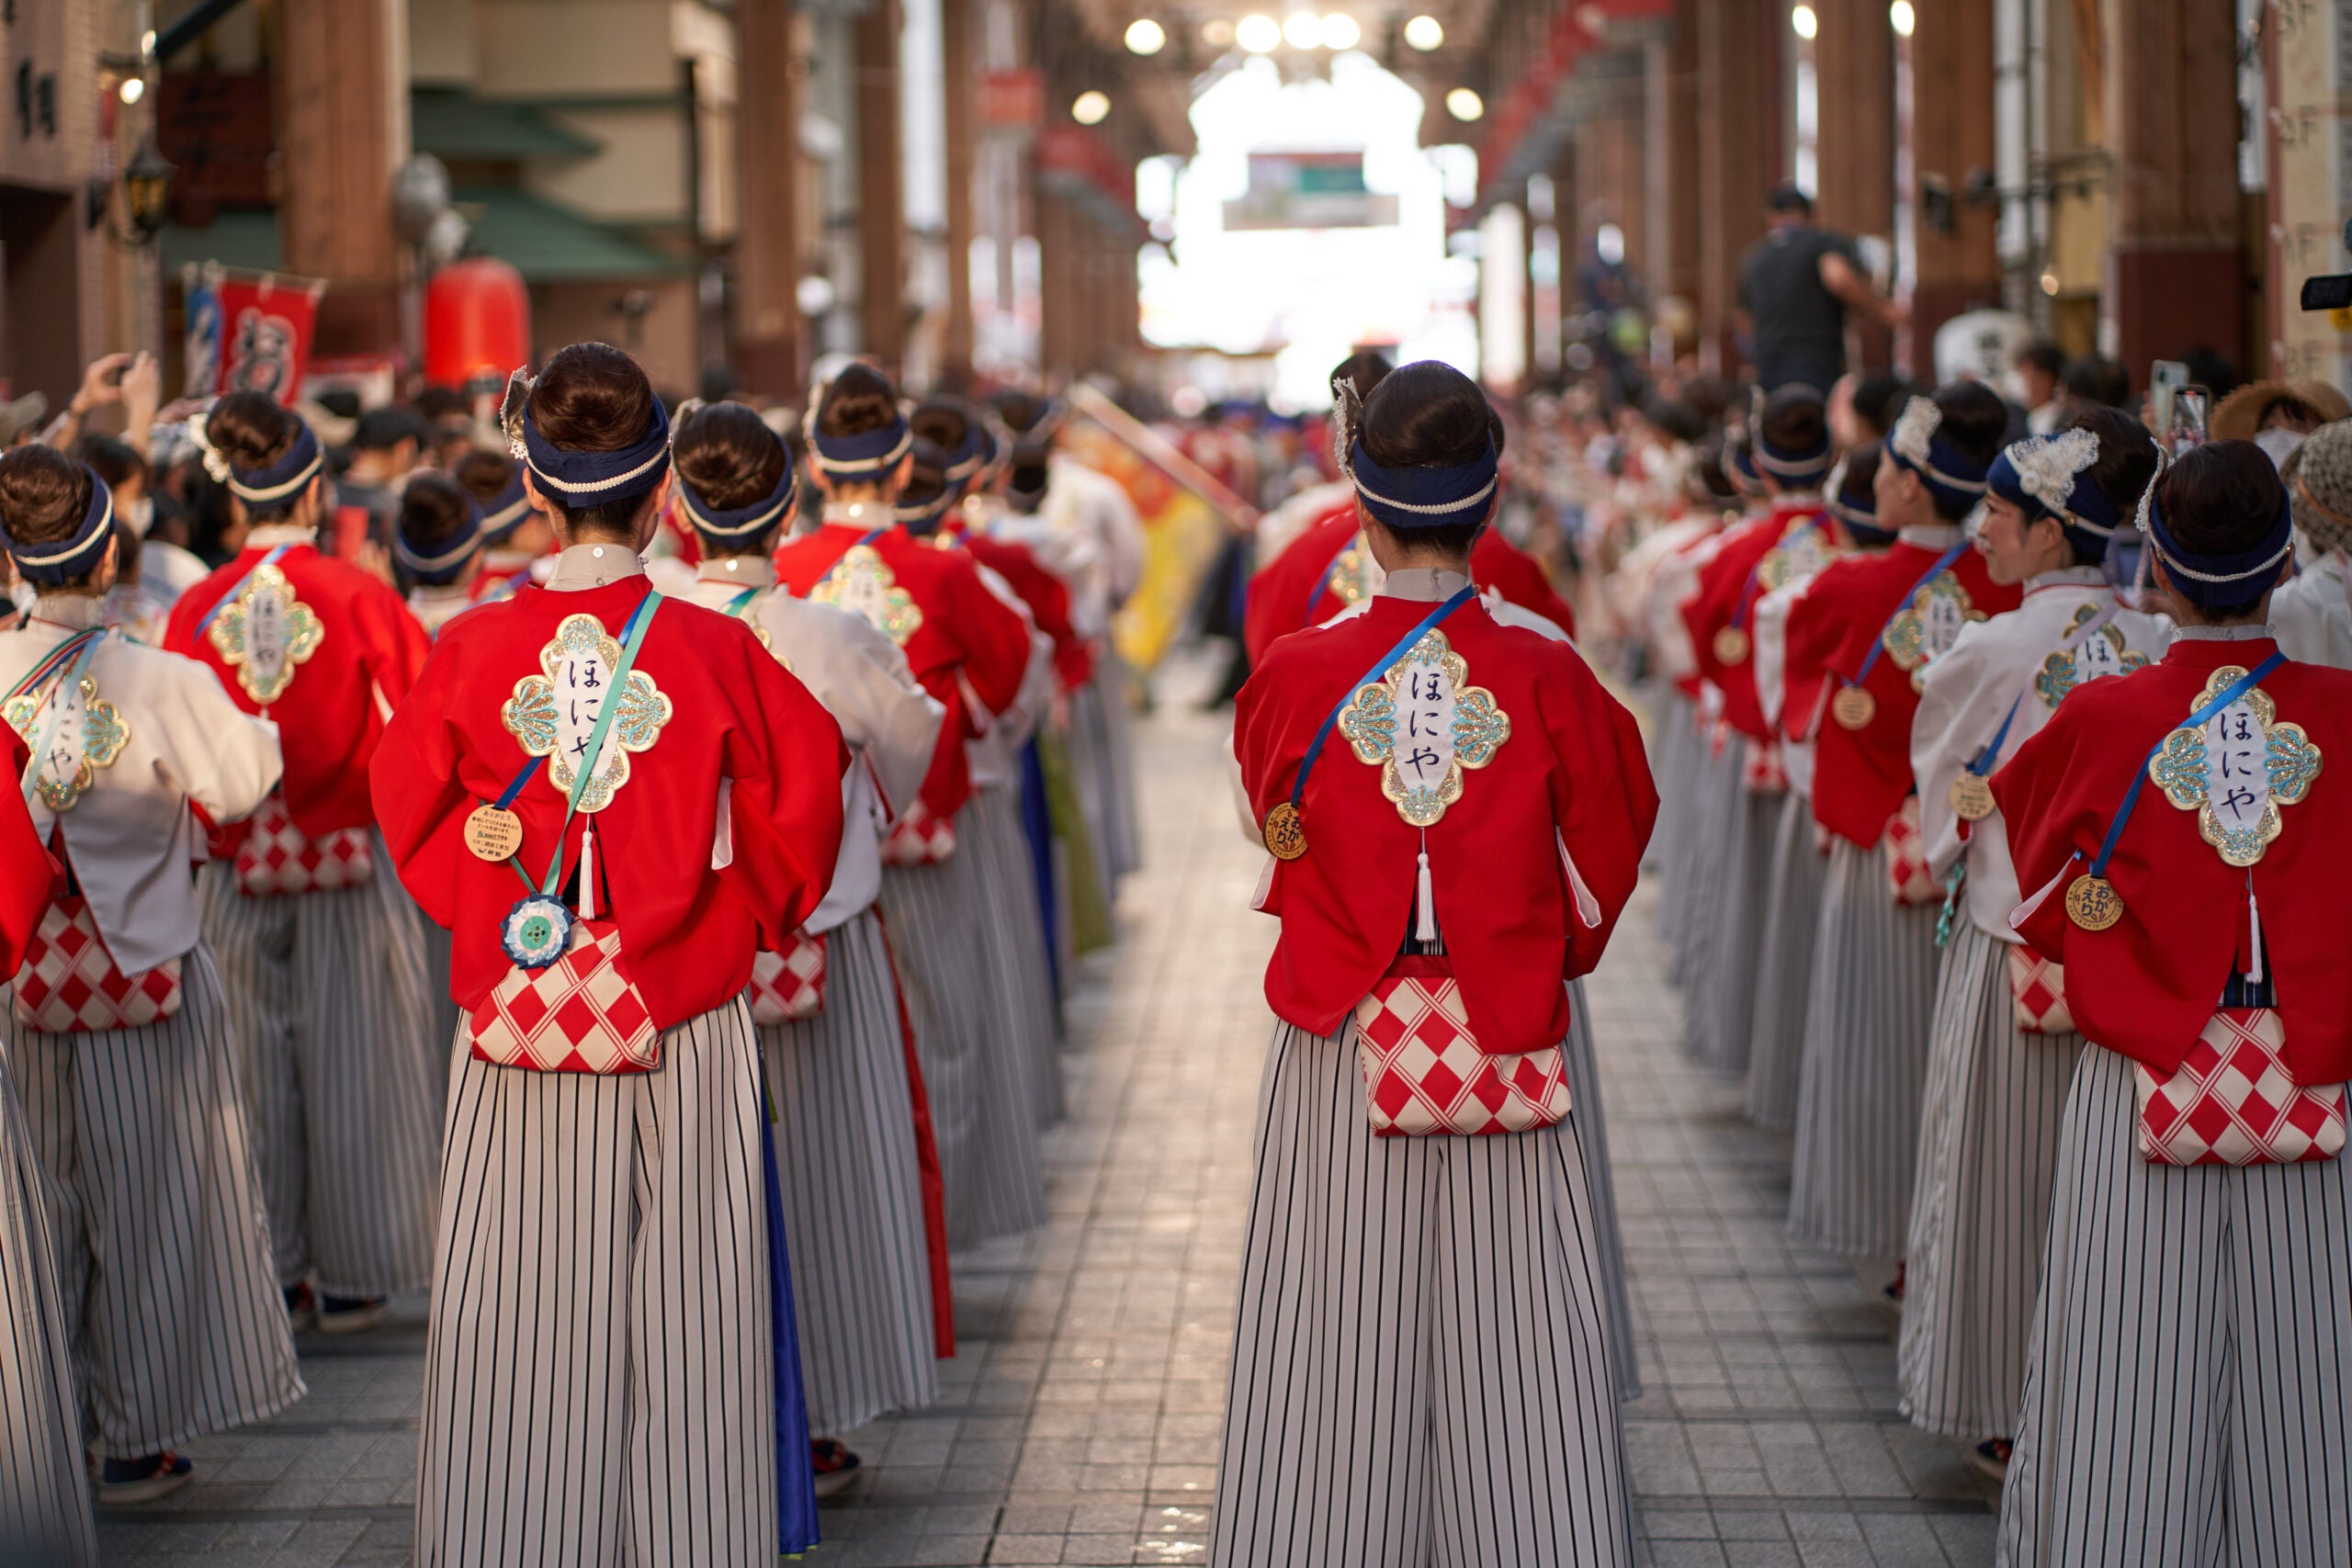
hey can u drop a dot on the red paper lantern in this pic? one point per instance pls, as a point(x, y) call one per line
point(477, 322)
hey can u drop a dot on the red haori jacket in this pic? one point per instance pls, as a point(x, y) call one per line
point(332, 715)
point(967, 635)
point(737, 717)
point(1861, 776)
point(1573, 767)
point(1047, 598)
point(1723, 583)
point(29, 877)
point(1282, 590)
point(2146, 985)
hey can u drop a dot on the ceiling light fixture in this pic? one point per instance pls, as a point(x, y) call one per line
point(1424, 33)
point(1465, 104)
point(1146, 37)
point(1259, 34)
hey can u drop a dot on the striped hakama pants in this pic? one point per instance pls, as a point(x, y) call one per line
point(1676, 768)
point(1988, 1151)
point(982, 1114)
point(1582, 1062)
point(1711, 802)
point(600, 1376)
point(1784, 967)
point(1719, 1016)
point(1422, 1370)
point(44, 1489)
point(1101, 775)
point(2189, 1392)
point(442, 1013)
point(1014, 933)
point(326, 999)
point(162, 1245)
point(1125, 825)
point(852, 1193)
point(1867, 1017)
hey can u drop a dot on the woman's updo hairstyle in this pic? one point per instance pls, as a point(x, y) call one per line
point(1430, 415)
point(728, 453)
point(923, 503)
point(2222, 498)
point(593, 398)
point(253, 431)
point(485, 475)
point(44, 497)
point(434, 509)
point(859, 399)
point(2127, 457)
point(943, 423)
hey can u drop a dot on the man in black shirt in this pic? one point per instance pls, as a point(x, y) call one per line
point(1795, 286)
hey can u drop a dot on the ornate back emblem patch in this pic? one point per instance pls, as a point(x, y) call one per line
point(1347, 581)
point(264, 633)
point(2236, 770)
point(1423, 722)
point(85, 735)
point(2103, 652)
point(1928, 626)
point(862, 581)
point(1801, 552)
point(552, 714)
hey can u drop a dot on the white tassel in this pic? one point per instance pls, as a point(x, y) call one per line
point(2254, 917)
point(1425, 930)
point(587, 871)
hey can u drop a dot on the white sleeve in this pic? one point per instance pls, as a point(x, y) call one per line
point(220, 757)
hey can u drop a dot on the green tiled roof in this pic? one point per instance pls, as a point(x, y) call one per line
point(450, 122)
point(548, 243)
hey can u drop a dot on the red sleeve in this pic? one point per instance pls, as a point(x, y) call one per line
point(1496, 562)
point(28, 876)
point(396, 645)
point(996, 640)
point(785, 805)
point(1814, 630)
point(2046, 820)
point(413, 784)
point(1604, 804)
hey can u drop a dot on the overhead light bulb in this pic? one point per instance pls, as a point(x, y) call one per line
point(1303, 30)
point(1903, 17)
point(1340, 31)
point(1805, 22)
point(133, 88)
point(1145, 36)
point(1090, 106)
point(1464, 103)
point(1424, 33)
point(1259, 34)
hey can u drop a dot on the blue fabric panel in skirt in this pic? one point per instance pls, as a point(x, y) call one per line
point(1037, 825)
point(796, 1480)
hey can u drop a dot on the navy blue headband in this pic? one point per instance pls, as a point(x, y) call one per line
point(1857, 510)
point(58, 561)
point(1795, 466)
point(281, 481)
point(1917, 444)
point(865, 456)
point(592, 478)
point(1741, 470)
point(971, 454)
point(503, 515)
point(921, 517)
point(2051, 477)
point(742, 522)
point(2220, 582)
point(447, 562)
point(1406, 498)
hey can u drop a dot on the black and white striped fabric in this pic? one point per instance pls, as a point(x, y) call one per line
point(442, 1013)
point(1679, 761)
point(162, 1245)
point(325, 996)
point(1867, 1016)
point(44, 1489)
point(1784, 967)
point(1988, 1152)
point(2188, 1397)
point(1122, 844)
point(1101, 775)
point(600, 1376)
point(1714, 808)
point(1422, 1370)
point(980, 1112)
point(1582, 1062)
point(853, 1192)
point(1722, 999)
point(1013, 936)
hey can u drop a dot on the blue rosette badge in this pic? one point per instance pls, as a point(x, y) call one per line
point(538, 931)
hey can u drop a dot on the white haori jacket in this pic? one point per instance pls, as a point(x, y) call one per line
point(131, 835)
point(2012, 658)
point(890, 722)
point(1768, 652)
point(2312, 613)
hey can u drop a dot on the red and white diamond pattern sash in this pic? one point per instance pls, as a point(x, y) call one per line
point(2038, 993)
point(919, 838)
point(1906, 848)
point(1423, 1072)
point(2232, 1103)
point(579, 1014)
point(69, 984)
point(277, 859)
point(790, 985)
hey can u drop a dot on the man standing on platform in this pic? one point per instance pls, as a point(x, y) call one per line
point(1795, 286)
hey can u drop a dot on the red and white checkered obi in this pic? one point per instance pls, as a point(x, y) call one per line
point(2232, 1103)
point(790, 985)
point(579, 1014)
point(2038, 993)
point(1423, 1072)
point(918, 838)
point(1762, 770)
point(277, 859)
point(1906, 848)
point(69, 984)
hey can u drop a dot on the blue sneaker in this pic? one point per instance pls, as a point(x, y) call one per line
point(122, 1480)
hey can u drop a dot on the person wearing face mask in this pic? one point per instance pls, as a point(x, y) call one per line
point(2002, 1048)
point(2276, 415)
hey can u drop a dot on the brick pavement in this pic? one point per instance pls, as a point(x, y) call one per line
point(1079, 1424)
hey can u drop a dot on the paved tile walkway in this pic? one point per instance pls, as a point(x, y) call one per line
point(1079, 1422)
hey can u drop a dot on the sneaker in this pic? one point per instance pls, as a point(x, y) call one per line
point(836, 1466)
point(122, 1480)
point(350, 1315)
point(301, 1308)
point(1992, 1457)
